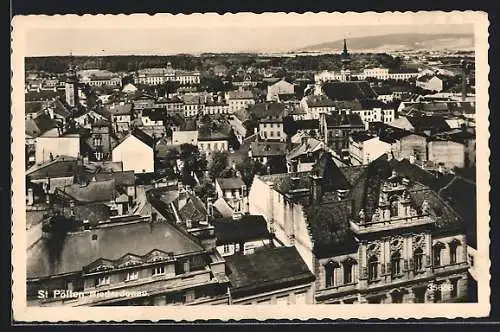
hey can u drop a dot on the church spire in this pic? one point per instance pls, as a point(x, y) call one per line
point(345, 53)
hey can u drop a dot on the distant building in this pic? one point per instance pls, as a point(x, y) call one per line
point(304, 156)
point(365, 147)
point(281, 87)
point(155, 76)
point(431, 83)
point(239, 99)
point(266, 151)
point(121, 117)
point(71, 87)
point(338, 129)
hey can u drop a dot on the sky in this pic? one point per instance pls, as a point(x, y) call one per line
point(135, 37)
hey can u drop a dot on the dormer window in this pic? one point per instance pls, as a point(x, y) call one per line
point(394, 206)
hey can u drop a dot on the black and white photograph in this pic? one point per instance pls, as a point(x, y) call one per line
point(330, 161)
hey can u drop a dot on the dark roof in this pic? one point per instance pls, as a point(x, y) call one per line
point(329, 228)
point(79, 250)
point(286, 96)
point(266, 270)
point(33, 106)
point(94, 191)
point(39, 125)
point(391, 134)
point(382, 90)
point(461, 195)
point(194, 209)
point(61, 109)
point(125, 109)
point(319, 101)
point(373, 103)
point(307, 124)
point(62, 166)
point(361, 136)
point(143, 137)
point(353, 90)
point(230, 183)
point(155, 114)
point(435, 124)
point(350, 120)
point(332, 176)
point(248, 228)
point(268, 149)
point(94, 213)
point(263, 110)
point(125, 178)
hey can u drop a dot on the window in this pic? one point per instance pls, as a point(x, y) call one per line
point(348, 267)
point(373, 268)
point(330, 272)
point(418, 256)
point(454, 288)
point(226, 249)
point(395, 264)
point(158, 270)
point(397, 296)
point(453, 251)
point(471, 260)
point(436, 252)
point(102, 280)
point(271, 133)
point(132, 275)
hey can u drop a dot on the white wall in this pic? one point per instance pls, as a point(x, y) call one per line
point(58, 146)
point(135, 155)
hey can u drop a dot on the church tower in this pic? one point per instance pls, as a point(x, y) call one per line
point(345, 58)
point(71, 85)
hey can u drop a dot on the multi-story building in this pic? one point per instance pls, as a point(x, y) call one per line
point(432, 83)
point(369, 234)
point(239, 99)
point(281, 87)
point(124, 261)
point(365, 147)
point(155, 76)
point(234, 192)
point(339, 126)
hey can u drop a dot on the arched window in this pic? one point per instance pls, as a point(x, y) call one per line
point(397, 296)
point(418, 257)
point(436, 253)
point(395, 264)
point(330, 273)
point(453, 251)
point(348, 266)
point(394, 206)
point(372, 268)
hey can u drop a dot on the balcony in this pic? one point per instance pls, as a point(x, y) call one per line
point(444, 269)
point(390, 224)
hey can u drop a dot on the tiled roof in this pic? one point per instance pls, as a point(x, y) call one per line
point(61, 109)
point(351, 120)
point(39, 125)
point(266, 270)
point(268, 149)
point(309, 146)
point(95, 191)
point(230, 183)
point(33, 106)
point(361, 136)
point(434, 123)
point(237, 94)
point(382, 90)
point(79, 250)
point(248, 228)
point(353, 90)
point(125, 109)
point(91, 212)
point(332, 176)
point(194, 209)
point(307, 124)
point(125, 178)
point(263, 110)
point(62, 166)
point(319, 101)
point(329, 228)
point(373, 103)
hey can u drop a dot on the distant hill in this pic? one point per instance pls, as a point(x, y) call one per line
point(394, 42)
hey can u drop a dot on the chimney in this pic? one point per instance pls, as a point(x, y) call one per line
point(316, 188)
point(86, 225)
point(389, 156)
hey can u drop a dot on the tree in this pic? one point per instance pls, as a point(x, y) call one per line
point(218, 165)
point(248, 168)
point(233, 141)
point(205, 190)
point(193, 161)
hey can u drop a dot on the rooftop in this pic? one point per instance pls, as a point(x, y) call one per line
point(113, 242)
point(248, 228)
point(230, 183)
point(267, 149)
point(266, 270)
point(353, 90)
point(62, 166)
